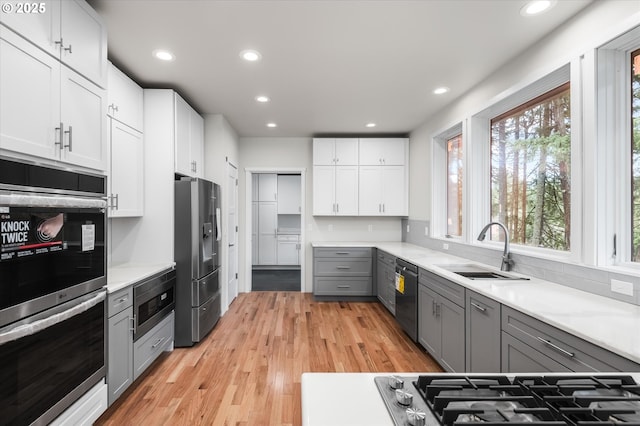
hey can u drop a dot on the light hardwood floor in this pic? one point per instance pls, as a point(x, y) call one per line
point(247, 370)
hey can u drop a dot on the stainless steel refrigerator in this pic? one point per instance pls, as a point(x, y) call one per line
point(197, 243)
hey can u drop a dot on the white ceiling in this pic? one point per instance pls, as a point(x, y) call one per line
point(328, 66)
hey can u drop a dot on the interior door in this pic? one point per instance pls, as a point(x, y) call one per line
point(232, 223)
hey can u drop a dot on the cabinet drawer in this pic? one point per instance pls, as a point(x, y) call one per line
point(119, 300)
point(151, 345)
point(386, 258)
point(342, 267)
point(342, 252)
point(442, 286)
point(342, 287)
point(571, 351)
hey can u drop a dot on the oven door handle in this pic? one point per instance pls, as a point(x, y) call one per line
point(56, 201)
point(36, 326)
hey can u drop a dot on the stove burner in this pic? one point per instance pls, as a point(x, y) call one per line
point(574, 400)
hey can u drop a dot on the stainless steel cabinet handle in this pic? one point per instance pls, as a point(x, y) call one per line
point(343, 267)
point(383, 208)
point(337, 208)
point(68, 49)
point(117, 207)
point(556, 347)
point(478, 307)
point(344, 286)
point(124, 299)
point(70, 144)
point(343, 252)
point(60, 135)
point(438, 308)
point(133, 324)
point(433, 308)
point(160, 340)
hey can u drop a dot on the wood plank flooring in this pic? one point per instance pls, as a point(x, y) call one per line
point(247, 371)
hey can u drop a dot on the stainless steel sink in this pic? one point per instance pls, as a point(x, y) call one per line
point(475, 272)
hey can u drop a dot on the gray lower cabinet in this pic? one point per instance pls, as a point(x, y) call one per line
point(342, 271)
point(483, 333)
point(120, 343)
point(531, 345)
point(441, 321)
point(152, 344)
point(385, 280)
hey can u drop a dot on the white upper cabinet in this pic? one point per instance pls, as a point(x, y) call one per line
point(383, 191)
point(126, 178)
point(189, 139)
point(69, 30)
point(267, 187)
point(46, 109)
point(289, 194)
point(124, 99)
point(383, 151)
point(335, 190)
point(335, 151)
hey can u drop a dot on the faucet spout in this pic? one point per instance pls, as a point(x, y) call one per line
point(506, 255)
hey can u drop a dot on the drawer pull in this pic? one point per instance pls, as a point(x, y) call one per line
point(160, 340)
point(343, 267)
point(343, 252)
point(556, 347)
point(344, 286)
point(124, 299)
point(478, 307)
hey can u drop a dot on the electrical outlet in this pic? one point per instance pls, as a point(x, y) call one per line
point(622, 287)
point(407, 228)
point(370, 227)
point(445, 246)
point(330, 228)
point(426, 231)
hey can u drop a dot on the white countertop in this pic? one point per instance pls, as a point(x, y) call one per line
point(126, 274)
point(330, 399)
point(603, 321)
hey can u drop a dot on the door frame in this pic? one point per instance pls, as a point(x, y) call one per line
point(229, 299)
point(249, 171)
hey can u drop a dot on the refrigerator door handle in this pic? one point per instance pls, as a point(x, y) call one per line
point(218, 232)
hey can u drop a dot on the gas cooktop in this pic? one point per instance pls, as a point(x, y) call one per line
point(545, 400)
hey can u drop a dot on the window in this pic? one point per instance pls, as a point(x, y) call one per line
point(635, 155)
point(530, 171)
point(454, 186)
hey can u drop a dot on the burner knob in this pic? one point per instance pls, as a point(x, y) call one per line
point(396, 382)
point(403, 397)
point(416, 417)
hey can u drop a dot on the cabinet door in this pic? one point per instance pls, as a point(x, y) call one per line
point(120, 354)
point(429, 326)
point(84, 116)
point(346, 152)
point(127, 171)
point(370, 152)
point(267, 239)
point(394, 191)
point(393, 151)
point(183, 164)
point(324, 153)
point(124, 99)
point(451, 317)
point(381, 282)
point(371, 187)
point(483, 333)
point(84, 40)
point(196, 135)
point(324, 190)
point(346, 188)
point(287, 253)
point(288, 194)
point(30, 100)
point(41, 29)
point(267, 187)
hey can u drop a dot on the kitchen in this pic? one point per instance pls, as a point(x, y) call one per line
point(258, 150)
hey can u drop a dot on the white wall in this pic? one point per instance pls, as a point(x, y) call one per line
point(266, 154)
point(220, 149)
point(598, 23)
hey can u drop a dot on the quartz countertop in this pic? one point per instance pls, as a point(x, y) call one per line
point(348, 399)
point(126, 274)
point(606, 322)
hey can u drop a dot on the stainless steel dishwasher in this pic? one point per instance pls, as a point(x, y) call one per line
point(407, 297)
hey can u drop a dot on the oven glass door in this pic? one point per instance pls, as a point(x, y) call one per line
point(48, 249)
point(39, 370)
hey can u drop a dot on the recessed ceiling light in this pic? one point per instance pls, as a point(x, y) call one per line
point(370, 125)
point(163, 55)
point(536, 7)
point(441, 90)
point(262, 99)
point(250, 55)
point(272, 125)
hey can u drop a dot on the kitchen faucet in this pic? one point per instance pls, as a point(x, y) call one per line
point(506, 256)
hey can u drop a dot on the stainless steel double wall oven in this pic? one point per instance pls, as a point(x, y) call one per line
point(52, 301)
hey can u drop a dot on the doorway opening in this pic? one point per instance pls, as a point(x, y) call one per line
point(276, 236)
